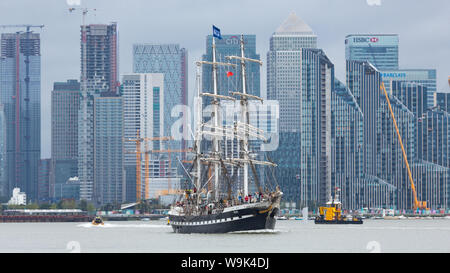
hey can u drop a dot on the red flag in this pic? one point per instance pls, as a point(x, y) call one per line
point(229, 73)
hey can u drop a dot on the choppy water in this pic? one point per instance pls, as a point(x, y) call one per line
point(289, 236)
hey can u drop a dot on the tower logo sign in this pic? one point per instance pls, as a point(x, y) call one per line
point(233, 40)
point(365, 39)
point(230, 40)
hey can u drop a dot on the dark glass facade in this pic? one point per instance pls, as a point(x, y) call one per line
point(20, 93)
point(65, 107)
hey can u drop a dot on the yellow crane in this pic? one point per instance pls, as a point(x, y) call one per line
point(417, 204)
point(138, 140)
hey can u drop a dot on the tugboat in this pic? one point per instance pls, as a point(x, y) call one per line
point(218, 201)
point(332, 213)
point(97, 221)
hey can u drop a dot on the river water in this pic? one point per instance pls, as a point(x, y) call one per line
point(289, 236)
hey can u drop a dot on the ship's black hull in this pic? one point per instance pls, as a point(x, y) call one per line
point(256, 218)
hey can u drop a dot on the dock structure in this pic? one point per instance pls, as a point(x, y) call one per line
point(45, 215)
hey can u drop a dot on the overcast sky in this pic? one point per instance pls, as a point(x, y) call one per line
point(423, 28)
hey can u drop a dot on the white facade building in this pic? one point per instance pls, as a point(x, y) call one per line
point(284, 68)
point(18, 197)
point(143, 112)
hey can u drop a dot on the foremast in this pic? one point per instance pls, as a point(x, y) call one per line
point(215, 115)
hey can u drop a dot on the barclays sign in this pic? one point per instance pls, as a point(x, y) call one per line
point(393, 75)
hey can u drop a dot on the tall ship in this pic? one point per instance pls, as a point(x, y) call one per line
point(220, 201)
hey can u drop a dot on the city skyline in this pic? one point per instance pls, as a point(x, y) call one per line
point(60, 42)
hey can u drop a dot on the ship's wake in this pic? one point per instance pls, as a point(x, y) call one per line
point(258, 231)
point(109, 225)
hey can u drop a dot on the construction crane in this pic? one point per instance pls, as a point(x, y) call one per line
point(17, 97)
point(138, 140)
point(417, 204)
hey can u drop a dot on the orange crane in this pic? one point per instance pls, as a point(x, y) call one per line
point(417, 204)
point(138, 140)
point(169, 151)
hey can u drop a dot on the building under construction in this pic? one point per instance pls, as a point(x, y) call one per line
point(20, 93)
point(99, 75)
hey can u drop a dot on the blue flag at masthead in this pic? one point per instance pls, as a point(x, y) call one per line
point(216, 32)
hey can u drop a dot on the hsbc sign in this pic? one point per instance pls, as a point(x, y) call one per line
point(365, 39)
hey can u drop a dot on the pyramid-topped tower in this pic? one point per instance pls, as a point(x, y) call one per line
point(293, 35)
point(294, 25)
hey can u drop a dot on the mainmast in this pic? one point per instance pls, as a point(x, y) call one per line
point(245, 122)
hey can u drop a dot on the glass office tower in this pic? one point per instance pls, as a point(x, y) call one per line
point(3, 166)
point(108, 150)
point(143, 94)
point(381, 50)
point(64, 161)
point(229, 45)
point(286, 68)
point(424, 77)
point(20, 93)
point(347, 133)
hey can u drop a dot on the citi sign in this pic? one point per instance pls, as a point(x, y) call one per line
point(365, 39)
point(233, 40)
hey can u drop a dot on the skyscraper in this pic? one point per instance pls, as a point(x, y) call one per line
point(44, 188)
point(381, 50)
point(364, 81)
point(385, 172)
point(171, 61)
point(412, 95)
point(347, 133)
point(99, 74)
point(424, 77)
point(301, 78)
point(65, 107)
point(143, 94)
point(3, 163)
point(20, 89)
point(229, 45)
point(109, 185)
point(284, 68)
point(442, 100)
